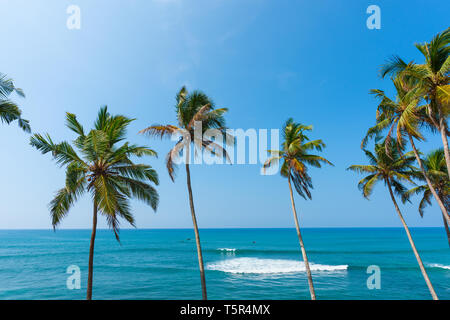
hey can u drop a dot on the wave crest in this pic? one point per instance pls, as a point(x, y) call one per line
point(438, 265)
point(268, 266)
point(227, 249)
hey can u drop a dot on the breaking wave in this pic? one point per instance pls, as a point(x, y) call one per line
point(227, 249)
point(268, 266)
point(438, 265)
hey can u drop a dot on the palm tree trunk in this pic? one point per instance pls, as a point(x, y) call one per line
point(91, 253)
point(430, 185)
point(443, 131)
point(446, 229)
point(413, 246)
point(302, 246)
point(197, 235)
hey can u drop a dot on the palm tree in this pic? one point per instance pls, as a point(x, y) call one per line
point(104, 170)
point(389, 166)
point(9, 111)
point(432, 77)
point(296, 157)
point(195, 114)
point(403, 115)
point(437, 171)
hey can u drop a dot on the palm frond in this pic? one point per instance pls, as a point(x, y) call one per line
point(141, 191)
point(73, 124)
point(393, 66)
point(163, 131)
point(172, 156)
point(367, 185)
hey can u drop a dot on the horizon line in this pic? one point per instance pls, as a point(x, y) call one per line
point(216, 228)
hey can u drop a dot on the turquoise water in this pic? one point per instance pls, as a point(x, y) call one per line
point(240, 263)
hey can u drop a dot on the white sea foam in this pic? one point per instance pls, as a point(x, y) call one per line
point(438, 265)
point(227, 249)
point(268, 266)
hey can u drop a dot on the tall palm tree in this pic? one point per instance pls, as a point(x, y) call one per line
point(9, 111)
point(195, 114)
point(296, 157)
point(404, 115)
point(389, 166)
point(102, 168)
point(433, 78)
point(437, 171)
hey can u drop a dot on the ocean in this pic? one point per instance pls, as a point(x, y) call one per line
point(240, 263)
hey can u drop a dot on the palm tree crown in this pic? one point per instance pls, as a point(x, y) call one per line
point(402, 115)
point(295, 156)
point(433, 75)
point(102, 168)
point(387, 165)
point(9, 111)
point(195, 112)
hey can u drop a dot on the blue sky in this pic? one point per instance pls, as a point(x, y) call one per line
point(266, 61)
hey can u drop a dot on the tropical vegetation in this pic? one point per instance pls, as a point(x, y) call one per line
point(102, 163)
point(195, 113)
point(9, 110)
point(104, 168)
point(403, 115)
point(296, 157)
point(431, 79)
point(389, 166)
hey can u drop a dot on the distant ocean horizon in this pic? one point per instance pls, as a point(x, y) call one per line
point(213, 228)
point(240, 263)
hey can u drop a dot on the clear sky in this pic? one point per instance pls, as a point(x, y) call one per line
point(266, 61)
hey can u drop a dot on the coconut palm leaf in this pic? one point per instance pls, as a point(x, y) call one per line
point(9, 110)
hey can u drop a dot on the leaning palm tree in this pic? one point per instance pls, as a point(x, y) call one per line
point(389, 166)
point(102, 168)
point(403, 115)
point(9, 111)
point(196, 115)
point(296, 157)
point(433, 78)
point(437, 171)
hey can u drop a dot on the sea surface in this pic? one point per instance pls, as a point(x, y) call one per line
point(240, 264)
